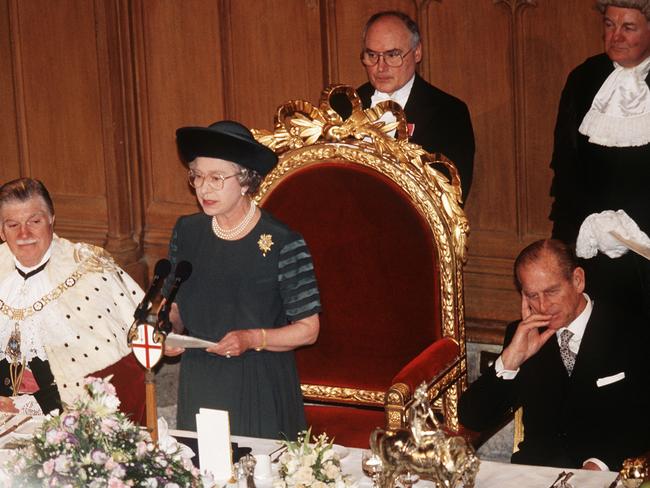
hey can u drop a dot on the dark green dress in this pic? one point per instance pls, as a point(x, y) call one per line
point(264, 280)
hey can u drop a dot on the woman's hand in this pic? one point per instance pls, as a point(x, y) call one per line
point(300, 333)
point(235, 343)
point(7, 405)
point(173, 351)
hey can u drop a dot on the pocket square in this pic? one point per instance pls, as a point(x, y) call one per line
point(608, 380)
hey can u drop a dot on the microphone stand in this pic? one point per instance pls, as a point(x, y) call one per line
point(150, 338)
point(151, 404)
point(147, 344)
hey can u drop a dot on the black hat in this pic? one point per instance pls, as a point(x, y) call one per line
point(225, 140)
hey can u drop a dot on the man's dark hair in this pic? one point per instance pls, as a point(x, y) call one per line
point(22, 189)
point(564, 256)
point(408, 22)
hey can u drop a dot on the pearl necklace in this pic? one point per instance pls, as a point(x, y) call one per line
point(233, 233)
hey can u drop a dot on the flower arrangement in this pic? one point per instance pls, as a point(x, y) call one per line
point(91, 444)
point(305, 465)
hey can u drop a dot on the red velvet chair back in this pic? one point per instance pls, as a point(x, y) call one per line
point(376, 264)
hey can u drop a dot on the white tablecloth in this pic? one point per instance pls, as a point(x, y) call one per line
point(491, 474)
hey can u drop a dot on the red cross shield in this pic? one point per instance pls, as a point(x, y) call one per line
point(145, 349)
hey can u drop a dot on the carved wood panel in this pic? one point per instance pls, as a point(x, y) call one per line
point(463, 64)
point(179, 70)
point(61, 107)
point(272, 56)
point(9, 168)
point(546, 62)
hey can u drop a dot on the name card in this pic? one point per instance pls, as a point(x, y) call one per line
point(213, 429)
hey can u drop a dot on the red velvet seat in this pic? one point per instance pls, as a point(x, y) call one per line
point(128, 380)
point(387, 238)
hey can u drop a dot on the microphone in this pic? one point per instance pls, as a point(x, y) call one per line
point(181, 273)
point(160, 272)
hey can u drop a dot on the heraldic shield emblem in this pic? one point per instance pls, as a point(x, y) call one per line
point(147, 345)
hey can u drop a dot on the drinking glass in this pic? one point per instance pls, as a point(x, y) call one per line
point(372, 466)
point(408, 479)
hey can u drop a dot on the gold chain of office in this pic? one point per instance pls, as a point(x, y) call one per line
point(19, 314)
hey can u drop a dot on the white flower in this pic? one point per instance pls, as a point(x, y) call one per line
point(109, 425)
point(304, 475)
point(54, 436)
point(141, 449)
point(98, 456)
point(308, 460)
point(332, 471)
point(292, 463)
point(98, 446)
point(118, 471)
point(304, 465)
point(115, 482)
point(62, 464)
point(48, 467)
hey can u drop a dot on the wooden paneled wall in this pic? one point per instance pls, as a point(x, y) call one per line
point(91, 93)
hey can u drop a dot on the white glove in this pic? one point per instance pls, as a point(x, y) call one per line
point(595, 234)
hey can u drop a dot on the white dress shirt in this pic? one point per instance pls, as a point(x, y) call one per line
point(400, 96)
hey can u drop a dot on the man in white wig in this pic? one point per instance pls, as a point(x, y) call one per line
point(65, 310)
point(601, 157)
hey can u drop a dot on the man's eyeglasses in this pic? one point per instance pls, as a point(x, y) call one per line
point(217, 182)
point(393, 58)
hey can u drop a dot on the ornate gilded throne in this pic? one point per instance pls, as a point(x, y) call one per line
point(388, 239)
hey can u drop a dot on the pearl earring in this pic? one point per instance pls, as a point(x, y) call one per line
point(243, 192)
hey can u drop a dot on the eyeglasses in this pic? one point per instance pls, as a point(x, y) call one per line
point(393, 58)
point(217, 182)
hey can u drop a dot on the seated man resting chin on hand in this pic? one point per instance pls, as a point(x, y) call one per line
point(574, 365)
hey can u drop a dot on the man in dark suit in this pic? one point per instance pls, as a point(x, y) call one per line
point(575, 366)
point(436, 120)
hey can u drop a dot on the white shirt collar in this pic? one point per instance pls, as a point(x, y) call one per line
point(43, 260)
point(578, 325)
point(400, 96)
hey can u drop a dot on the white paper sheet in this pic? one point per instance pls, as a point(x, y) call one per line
point(213, 429)
point(634, 246)
point(177, 340)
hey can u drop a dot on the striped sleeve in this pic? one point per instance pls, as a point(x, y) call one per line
point(297, 280)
